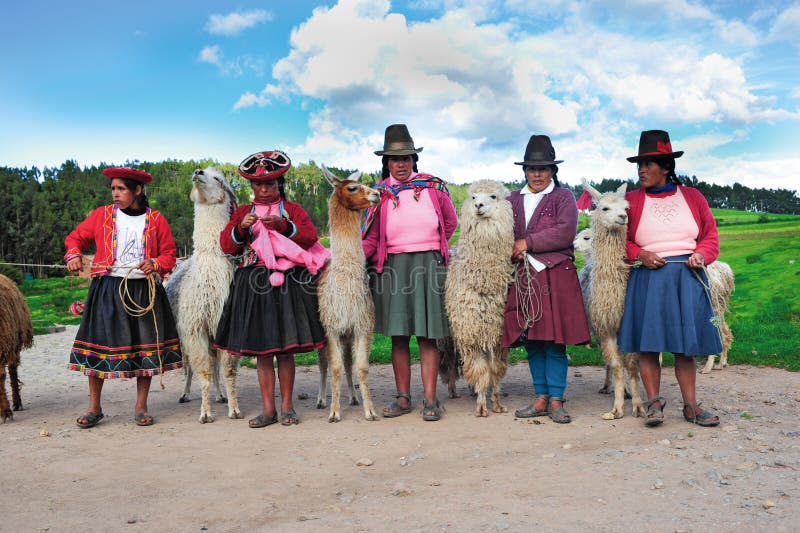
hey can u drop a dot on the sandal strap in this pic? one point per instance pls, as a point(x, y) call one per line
point(659, 399)
point(405, 395)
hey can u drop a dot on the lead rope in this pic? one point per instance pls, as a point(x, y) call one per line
point(529, 295)
point(133, 308)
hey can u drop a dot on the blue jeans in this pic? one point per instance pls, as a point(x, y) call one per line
point(548, 364)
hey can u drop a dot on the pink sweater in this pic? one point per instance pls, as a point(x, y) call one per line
point(422, 235)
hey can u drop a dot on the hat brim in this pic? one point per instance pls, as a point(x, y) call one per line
point(128, 173)
point(539, 163)
point(407, 151)
point(654, 156)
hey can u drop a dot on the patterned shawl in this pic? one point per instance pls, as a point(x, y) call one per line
point(392, 192)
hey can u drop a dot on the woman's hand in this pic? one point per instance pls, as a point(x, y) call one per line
point(248, 220)
point(147, 266)
point(75, 264)
point(696, 260)
point(651, 260)
point(273, 222)
point(519, 246)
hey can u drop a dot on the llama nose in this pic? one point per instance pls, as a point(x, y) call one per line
point(199, 172)
point(478, 206)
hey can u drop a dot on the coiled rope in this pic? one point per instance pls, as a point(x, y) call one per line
point(529, 294)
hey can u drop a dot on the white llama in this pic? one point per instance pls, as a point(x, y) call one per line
point(199, 287)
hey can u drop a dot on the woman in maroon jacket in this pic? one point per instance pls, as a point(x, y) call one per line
point(544, 312)
point(272, 309)
point(133, 244)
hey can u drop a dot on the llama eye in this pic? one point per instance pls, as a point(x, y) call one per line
point(352, 188)
point(493, 197)
point(605, 209)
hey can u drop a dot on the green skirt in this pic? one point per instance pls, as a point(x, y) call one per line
point(409, 295)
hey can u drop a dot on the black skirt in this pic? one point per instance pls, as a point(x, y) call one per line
point(113, 344)
point(259, 319)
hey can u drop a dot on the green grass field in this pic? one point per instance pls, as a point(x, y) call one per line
point(764, 312)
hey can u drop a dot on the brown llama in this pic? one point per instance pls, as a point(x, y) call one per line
point(346, 308)
point(16, 334)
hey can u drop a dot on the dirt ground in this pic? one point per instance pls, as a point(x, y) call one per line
point(459, 474)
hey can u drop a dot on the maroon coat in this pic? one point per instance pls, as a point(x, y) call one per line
point(555, 294)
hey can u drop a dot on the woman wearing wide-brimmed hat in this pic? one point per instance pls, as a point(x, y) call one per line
point(115, 340)
point(544, 311)
point(672, 235)
point(405, 239)
point(272, 309)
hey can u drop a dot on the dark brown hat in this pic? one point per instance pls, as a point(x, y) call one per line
point(539, 152)
point(654, 144)
point(397, 141)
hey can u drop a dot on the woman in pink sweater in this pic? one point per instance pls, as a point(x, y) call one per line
point(672, 235)
point(405, 239)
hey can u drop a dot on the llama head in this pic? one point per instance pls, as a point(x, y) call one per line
point(611, 207)
point(349, 192)
point(210, 187)
point(484, 199)
point(583, 241)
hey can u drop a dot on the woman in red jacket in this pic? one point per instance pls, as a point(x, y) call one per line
point(673, 235)
point(272, 310)
point(133, 244)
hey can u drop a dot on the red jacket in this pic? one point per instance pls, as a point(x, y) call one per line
point(299, 228)
point(99, 228)
point(707, 238)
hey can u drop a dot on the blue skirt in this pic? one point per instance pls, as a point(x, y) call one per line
point(669, 310)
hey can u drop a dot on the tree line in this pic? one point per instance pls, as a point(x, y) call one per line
point(40, 207)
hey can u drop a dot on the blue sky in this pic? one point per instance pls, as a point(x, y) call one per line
point(114, 81)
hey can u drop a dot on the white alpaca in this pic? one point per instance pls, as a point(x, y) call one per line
point(346, 308)
point(477, 288)
point(607, 274)
point(199, 287)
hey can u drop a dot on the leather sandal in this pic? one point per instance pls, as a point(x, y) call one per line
point(701, 417)
point(529, 411)
point(90, 419)
point(560, 414)
point(262, 420)
point(654, 416)
point(395, 410)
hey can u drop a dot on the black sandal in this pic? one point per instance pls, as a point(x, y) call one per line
point(395, 409)
point(560, 414)
point(263, 420)
point(701, 418)
point(655, 416)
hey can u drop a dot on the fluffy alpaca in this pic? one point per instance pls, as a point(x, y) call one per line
point(477, 287)
point(198, 288)
point(607, 274)
point(16, 334)
point(346, 308)
point(720, 279)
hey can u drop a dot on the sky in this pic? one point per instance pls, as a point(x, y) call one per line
point(109, 82)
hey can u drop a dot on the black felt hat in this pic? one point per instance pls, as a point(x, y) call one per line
point(654, 144)
point(397, 141)
point(539, 152)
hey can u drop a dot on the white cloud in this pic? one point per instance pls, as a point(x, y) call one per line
point(211, 54)
point(473, 89)
point(234, 23)
point(786, 26)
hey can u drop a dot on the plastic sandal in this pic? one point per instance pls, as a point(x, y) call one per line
point(91, 419)
point(431, 412)
point(395, 410)
point(289, 418)
point(143, 419)
point(530, 411)
point(559, 415)
point(701, 418)
point(263, 420)
point(655, 416)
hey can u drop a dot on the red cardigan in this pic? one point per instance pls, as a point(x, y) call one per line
point(99, 229)
point(707, 239)
point(299, 228)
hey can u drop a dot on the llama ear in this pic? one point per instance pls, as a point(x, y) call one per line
point(355, 176)
point(621, 189)
point(332, 179)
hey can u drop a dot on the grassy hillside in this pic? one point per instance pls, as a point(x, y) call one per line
point(765, 307)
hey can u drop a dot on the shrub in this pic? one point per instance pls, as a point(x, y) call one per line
point(12, 272)
point(763, 218)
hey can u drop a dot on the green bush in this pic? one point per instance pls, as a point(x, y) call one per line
point(12, 272)
point(763, 218)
